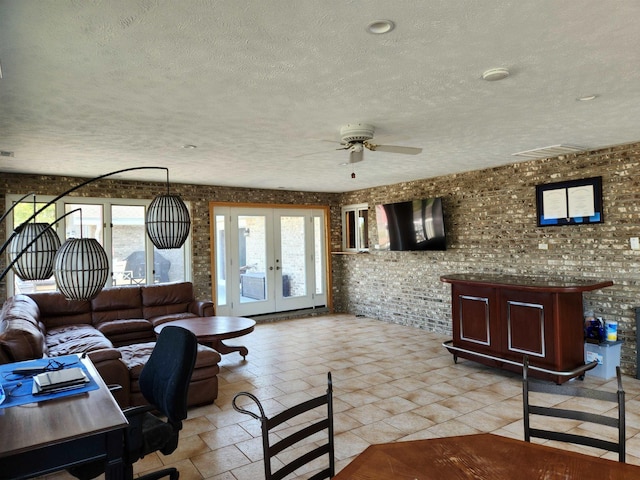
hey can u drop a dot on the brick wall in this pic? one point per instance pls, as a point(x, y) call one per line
point(491, 226)
point(490, 218)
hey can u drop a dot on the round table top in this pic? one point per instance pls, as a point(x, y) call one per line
point(212, 328)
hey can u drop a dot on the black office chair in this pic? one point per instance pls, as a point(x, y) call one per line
point(164, 382)
point(618, 422)
point(304, 431)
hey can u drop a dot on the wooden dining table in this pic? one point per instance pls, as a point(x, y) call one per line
point(480, 457)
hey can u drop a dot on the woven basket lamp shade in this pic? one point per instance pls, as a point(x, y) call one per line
point(81, 268)
point(36, 261)
point(168, 221)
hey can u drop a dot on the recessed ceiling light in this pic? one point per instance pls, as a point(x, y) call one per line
point(586, 98)
point(189, 146)
point(380, 27)
point(494, 74)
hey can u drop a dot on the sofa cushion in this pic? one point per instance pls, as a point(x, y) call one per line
point(203, 387)
point(56, 310)
point(116, 304)
point(126, 332)
point(21, 335)
point(71, 339)
point(170, 317)
point(166, 299)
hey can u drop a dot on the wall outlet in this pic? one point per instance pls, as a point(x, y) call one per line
point(635, 243)
point(543, 246)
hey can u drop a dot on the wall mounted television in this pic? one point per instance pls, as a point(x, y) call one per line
point(413, 225)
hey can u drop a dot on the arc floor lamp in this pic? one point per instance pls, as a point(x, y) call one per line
point(80, 265)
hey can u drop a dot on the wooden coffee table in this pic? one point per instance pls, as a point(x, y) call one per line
point(211, 331)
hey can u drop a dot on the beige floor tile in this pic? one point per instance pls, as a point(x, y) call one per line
point(219, 461)
point(378, 432)
point(391, 383)
point(224, 436)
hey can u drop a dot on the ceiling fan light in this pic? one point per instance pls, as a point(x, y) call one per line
point(34, 260)
point(355, 156)
point(81, 268)
point(168, 222)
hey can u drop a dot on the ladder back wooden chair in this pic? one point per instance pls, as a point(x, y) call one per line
point(615, 398)
point(321, 421)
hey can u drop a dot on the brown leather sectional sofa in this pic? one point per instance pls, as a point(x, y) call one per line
point(115, 330)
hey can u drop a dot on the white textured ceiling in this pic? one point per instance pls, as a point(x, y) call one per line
point(259, 86)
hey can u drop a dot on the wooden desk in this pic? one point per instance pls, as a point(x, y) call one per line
point(212, 330)
point(44, 437)
point(479, 457)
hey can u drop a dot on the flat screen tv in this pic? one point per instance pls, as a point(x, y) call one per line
point(413, 225)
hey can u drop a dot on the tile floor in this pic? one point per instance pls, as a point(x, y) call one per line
point(391, 383)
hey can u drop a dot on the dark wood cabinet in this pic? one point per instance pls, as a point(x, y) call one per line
point(498, 319)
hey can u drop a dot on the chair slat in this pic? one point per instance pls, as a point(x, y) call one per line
point(300, 461)
point(297, 436)
point(616, 398)
point(296, 410)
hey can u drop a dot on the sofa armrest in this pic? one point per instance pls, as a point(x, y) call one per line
point(104, 354)
point(202, 308)
point(114, 372)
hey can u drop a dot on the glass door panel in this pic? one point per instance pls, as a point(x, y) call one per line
point(128, 244)
point(168, 265)
point(86, 223)
point(291, 246)
point(220, 267)
point(255, 271)
point(293, 255)
point(318, 255)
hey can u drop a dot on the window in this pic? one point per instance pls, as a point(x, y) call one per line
point(355, 228)
point(118, 225)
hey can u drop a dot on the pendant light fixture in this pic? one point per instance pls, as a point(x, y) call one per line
point(33, 248)
point(81, 266)
point(168, 221)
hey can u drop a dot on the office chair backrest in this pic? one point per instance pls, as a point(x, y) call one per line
point(164, 380)
point(617, 422)
point(305, 430)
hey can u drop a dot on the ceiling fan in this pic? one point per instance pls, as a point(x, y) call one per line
point(357, 136)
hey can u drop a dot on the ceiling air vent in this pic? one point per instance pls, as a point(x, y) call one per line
point(4, 153)
point(551, 151)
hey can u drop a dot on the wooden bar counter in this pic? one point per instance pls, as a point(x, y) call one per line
point(497, 319)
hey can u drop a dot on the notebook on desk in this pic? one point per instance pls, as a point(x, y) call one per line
point(59, 380)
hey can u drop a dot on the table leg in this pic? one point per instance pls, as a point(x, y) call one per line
point(114, 465)
point(223, 349)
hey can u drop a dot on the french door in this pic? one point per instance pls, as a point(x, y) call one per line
point(268, 259)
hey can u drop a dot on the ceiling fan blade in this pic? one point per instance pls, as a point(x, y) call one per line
point(393, 148)
point(355, 156)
